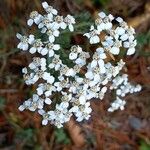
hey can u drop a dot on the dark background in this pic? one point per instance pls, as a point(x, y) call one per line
point(121, 130)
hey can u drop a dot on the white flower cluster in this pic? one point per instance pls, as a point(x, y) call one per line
point(122, 87)
point(64, 91)
point(115, 37)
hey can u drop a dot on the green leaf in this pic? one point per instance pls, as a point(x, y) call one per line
point(26, 134)
point(2, 103)
point(64, 39)
point(61, 136)
point(101, 2)
point(83, 22)
point(143, 39)
point(144, 146)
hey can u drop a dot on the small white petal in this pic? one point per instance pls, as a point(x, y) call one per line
point(124, 37)
point(126, 44)
point(41, 111)
point(48, 93)
point(40, 104)
point(101, 62)
point(32, 50)
point(70, 72)
point(102, 14)
point(100, 50)
point(57, 67)
point(71, 28)
point(51, 53)
point(19, 36)
point(110, 109)
point(51, 38)
point(31, 39)
point(56, 25)
point(87, 35)
point(51, 65)
point(50, 17)
point(39, 49)
point(32, 66)
point(131, 51)
point(96, 78)
point(43, 30)
point(19, 46)
point(24, 70)
point(101, 26)
point(115, 50)
point(82, 100)
point(93, 63)
point(41, 25)
point(95, 39)
point(56, 33)
point(35, 97)
point(73, 56)
point(102, 69)
point(56, 47)
point(118, 92)
point(51, 79)
point(44, 51)
point(80, 61)
point(104, 89)
point(21, 108)
point(48, 101)
point(45, 5)
point(35, 78)
point(43, 62)
point(108, 25)
point(89, 75)
point(102, 56)
point(119, 19)
point(63, 25)
point(37, 20)
point(44, 122)
point(64, 104)
point(92, 28)
point(120, 30)
point(30, 22)
point(32, 108)
point(54, 11)
point(46, 75)
point(25, 47)
point(111, 17)
point(79, 80)
point(131, 38)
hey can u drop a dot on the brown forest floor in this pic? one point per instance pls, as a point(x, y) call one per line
point(121, 130)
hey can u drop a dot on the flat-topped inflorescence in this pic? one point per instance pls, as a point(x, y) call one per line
point(89, 78)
